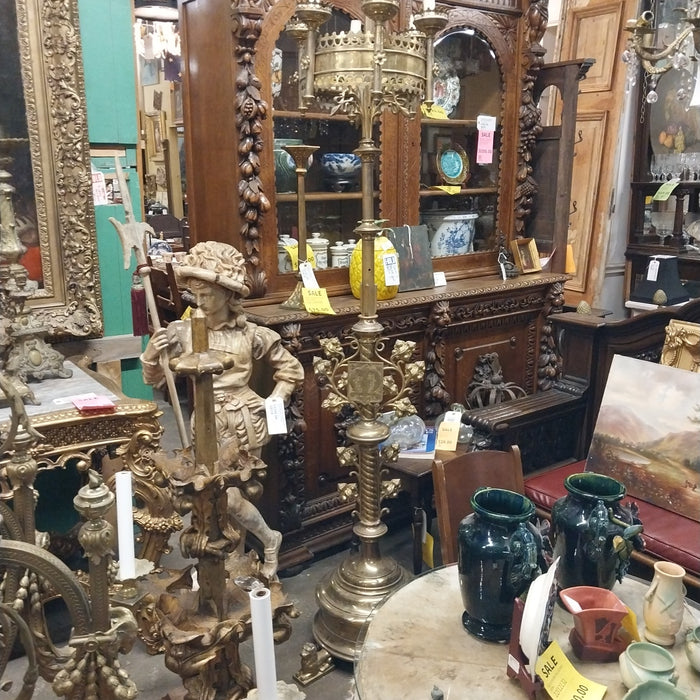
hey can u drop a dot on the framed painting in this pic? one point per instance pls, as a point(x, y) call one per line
point(415, 257)
point(651, 445)
point(526, 255)
point(155, 130)
point(44, 151)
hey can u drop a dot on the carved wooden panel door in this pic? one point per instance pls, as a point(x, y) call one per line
point(595, 29)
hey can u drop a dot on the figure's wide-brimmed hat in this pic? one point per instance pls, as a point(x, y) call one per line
point(216, 263)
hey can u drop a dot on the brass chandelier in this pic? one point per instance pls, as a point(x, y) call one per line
point(665, 37)
point(361, 73)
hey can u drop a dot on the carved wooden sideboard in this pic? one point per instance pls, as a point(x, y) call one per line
point(452, 326)
point(240, 64)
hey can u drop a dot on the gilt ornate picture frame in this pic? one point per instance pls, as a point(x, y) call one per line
point(44, 146)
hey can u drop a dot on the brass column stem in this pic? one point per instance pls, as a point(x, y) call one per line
point(301, 154)
point(96, 537)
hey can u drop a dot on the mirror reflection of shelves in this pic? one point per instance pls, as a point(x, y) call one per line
point(458, 197)
point(333, 196)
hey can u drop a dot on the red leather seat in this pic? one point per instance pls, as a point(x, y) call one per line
point(668, 535)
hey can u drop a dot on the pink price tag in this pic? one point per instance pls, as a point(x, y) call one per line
point(484, 148)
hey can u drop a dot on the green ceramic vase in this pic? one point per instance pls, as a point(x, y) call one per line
point(589, 535)
point(497, 560)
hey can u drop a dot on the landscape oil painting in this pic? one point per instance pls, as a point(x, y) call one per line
point(648, 433)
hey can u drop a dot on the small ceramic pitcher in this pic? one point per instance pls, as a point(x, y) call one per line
point(664, 603)
point(692, 647)
point(643, 661)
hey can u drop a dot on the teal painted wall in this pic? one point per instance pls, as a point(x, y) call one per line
point(110, 85)
point(110, 71)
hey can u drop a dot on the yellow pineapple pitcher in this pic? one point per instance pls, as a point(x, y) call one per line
point(382, 247)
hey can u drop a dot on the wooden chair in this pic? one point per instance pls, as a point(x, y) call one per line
point(168, 297)
point(455, 481)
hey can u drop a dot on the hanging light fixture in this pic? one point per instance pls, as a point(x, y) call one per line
point(665, 37)
point(157, 10)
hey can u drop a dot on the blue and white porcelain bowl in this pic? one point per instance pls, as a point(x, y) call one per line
point(450, 232)
point(341, 170)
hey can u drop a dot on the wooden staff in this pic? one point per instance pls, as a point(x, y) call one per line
point(132, 235)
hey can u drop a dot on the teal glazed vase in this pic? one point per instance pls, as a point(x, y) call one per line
point(497, 560)
point(591, 535)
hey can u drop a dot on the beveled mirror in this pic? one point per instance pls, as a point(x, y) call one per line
point(44, 145)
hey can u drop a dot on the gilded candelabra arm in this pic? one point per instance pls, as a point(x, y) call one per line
point(403, 374)
point(642, 34)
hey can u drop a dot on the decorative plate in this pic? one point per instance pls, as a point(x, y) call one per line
point(453, 164)
point(446, 91)
point(276, 66)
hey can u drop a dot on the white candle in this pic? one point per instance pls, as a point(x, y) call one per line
point(428, 5)
point(263, 644)
point(125, 526)
point(355, 26)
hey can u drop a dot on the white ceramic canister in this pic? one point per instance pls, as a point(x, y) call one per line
point(284, 263)
point(340, 257)
point(320, 247)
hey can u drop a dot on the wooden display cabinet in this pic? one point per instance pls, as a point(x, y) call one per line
point(239, 97)
point(666, 144)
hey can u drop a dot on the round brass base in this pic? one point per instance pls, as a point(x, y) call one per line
point(346, 598)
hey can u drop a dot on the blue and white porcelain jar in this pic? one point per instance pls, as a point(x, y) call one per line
point(450, 232)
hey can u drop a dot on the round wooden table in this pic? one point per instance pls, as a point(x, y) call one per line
point(415, 641)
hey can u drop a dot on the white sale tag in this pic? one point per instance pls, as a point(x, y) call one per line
point(307, 275)
point(274, 413)
point(439, 279)
point(485, 123)
point(453, 417)
point(653, 270)
point(391, 269)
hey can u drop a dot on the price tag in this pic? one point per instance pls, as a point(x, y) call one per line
point(391, 269)
point(448, 431)
point(653, 270)
point(316, 301)
point(562, 681)
point(274, 413)
point(307, 275)
point(485, 122)
point(664, 192)
point(450, 189)
point(293, 251)
point(439, 279)
point(99, 188)
point(486, 126)
point(433, 112)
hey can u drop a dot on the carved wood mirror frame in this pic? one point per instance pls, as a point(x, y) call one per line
point(50, 59)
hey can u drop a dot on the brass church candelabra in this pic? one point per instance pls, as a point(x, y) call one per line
point(365, 72)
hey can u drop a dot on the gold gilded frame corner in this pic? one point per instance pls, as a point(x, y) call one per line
point(682, 345)
point(50, 56)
